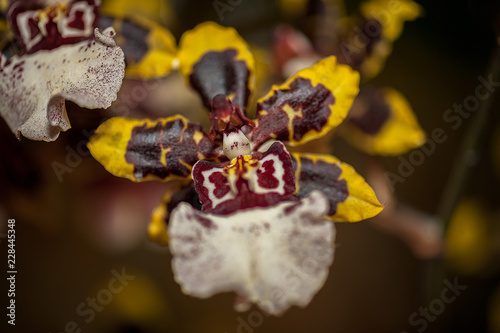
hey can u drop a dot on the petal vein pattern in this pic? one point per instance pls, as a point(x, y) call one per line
point(308, 105)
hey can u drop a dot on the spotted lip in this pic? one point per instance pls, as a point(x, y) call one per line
point(256, 180)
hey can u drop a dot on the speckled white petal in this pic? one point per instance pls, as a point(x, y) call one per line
point(275, 257)
point(33, 87)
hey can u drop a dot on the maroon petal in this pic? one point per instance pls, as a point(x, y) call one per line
point(38, 28)
point(257, 180)
point(220, 73)
point(318, 174)
point(308, 105)
point(168, 148)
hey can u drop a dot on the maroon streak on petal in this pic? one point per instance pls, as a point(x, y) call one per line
point(323, 176)
point(290, 113)
point(168, 149)
point(370, 111)
point(220, 73)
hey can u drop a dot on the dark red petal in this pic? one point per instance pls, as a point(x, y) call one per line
point(370, 111)
point(66, 24)
point(323, 176)
point(224, 113)
point(260, 180)
point(220, 73)
point(301, 108)
point(169, 148)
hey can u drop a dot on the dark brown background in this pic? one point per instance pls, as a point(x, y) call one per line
point(66, 249)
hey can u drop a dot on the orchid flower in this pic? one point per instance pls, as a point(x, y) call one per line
point(62, 56)
point(248, 216)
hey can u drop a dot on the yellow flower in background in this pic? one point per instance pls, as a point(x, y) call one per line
point(472, 239)
point(381, 121)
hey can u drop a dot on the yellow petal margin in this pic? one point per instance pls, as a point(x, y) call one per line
point(341, 80)
point(391, 14)
point(157, 228)
point(361, 202)
point(109, 144)
point(159, 11)
point(208, 37)
point(400, 133)
point(161, 56)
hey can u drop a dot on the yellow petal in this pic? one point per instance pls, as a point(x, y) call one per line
point(159, 11)
point(150, 50)
point(308, 105)
point(157, 229)
point(391, 14)
point(109, 143)
point(4, 5)
point(399, 133)
point(142, 150)
point(161, 58)
point(141, 301)
point(467, 239)
point(207, 38)
point(351, 198)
